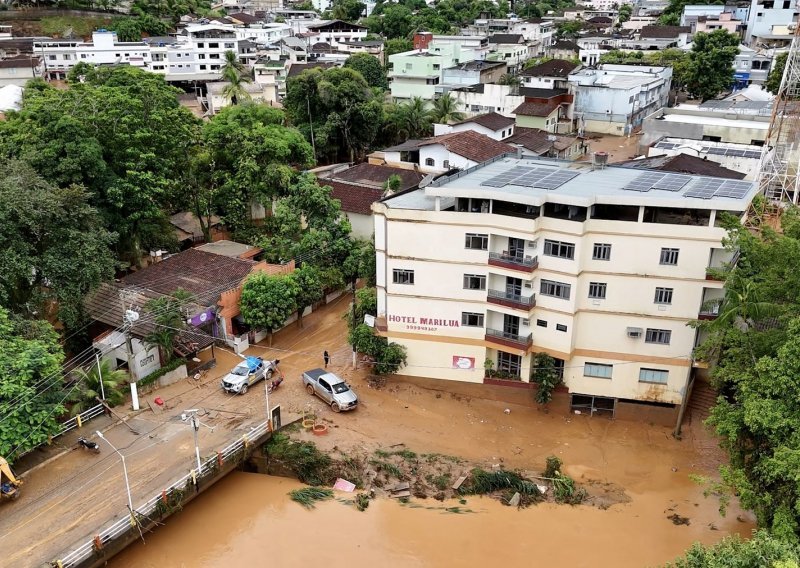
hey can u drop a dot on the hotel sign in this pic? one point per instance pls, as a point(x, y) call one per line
point(423, 323)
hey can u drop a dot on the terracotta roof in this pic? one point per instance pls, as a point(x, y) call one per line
point(536, 109)
point(600, 20)
point(471, 145)
point(322, 47)
point(244, 18)
point(355, 198)
point(540, 141)
point(552, 68)
point(492, 121)
point(564, 44)
point(19, 62)
point(506, 38)
point(684, 164)
point(376, 175)
point(663, 32)
point(536, 93)
point(298, 68)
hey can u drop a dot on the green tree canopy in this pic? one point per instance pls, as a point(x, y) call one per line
point(268, 301)
point(309, 288)
point(348, 10)
point(53, 246)
point(710, 69)
point(31, 394)
point(446, 110)
point(773, 83)
point(370, 68)
point(761, 551)
point(411, 119)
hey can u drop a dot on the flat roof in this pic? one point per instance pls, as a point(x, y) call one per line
point(587, 187)
point(716, 121)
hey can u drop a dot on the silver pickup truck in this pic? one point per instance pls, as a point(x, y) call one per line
point(247, 373)
point(330, 388)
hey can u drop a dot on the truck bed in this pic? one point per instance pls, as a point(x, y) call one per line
point(315, 374)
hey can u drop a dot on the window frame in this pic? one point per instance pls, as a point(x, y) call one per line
point(541, 323)
point(397, 276)
point(482, 278)
point(554, 248)
point(653, 336)
point(556, 287)
point(599, 287)
point(589, 364)
point(605, 253)
point(561, 327)
point(663, 296)
point(651, 379)
point(666, 256)
point(469, 240)
point(479, 317)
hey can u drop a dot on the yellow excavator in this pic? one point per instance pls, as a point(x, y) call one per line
point(9, 484)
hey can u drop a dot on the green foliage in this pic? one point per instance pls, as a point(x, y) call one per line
point(761, 551)
point(482, 482)
point(303, 459)
point(411, 119)
point(710, 69)
point(88, 391)
point(158, 373)
point(678, 59)
point(122, 135)
point(310, 495)
point(268, 301)
point(773, 83)
point(393, 183)
point(391, 359)
point(625, 12)
point(568, 29)
point(81, 26)
point(565, 491)
point(370, 68)
point(397, 45)
point(340, 106)
point(132, 29)
point(53, 247)
point(362, 501)
point(168, 319)
point(309, 288)
point(552, 466)
point(671, 16)
point(546, 376)
point(348, 10)
point(235, 73)
point(445, 110)
point(172, 9)
point(388, 357)
point(30, 360)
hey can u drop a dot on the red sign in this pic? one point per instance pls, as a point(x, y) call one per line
point(465, 363)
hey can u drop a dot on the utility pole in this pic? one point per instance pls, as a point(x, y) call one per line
point(355, 362)
point(195, 423)
point(311, 125)
point(266, 393)
point(100, 376)
point(128, 318)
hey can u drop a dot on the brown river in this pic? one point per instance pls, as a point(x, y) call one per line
point(248, 520)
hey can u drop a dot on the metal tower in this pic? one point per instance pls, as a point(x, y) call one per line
point(778, 177)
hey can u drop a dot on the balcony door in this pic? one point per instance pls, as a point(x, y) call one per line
point(516, 248)
point(514, 287)
point(510, 325)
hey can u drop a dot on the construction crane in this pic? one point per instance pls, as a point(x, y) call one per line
point(777, 176)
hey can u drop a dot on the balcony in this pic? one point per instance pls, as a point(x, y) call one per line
point(708, 313)
point(510, 300)
point(523, 264)
point(509, 339)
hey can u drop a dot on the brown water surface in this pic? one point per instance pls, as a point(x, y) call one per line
point(248, 520)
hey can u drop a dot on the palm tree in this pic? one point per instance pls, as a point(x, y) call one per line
point(169, 321)
point(232, 66)
point(445, 110)
point(415, 118)
point(512, 81)
point(234, 72)
point(89, 391)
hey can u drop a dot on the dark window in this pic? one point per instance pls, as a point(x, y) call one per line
point(429, 162)
point(663, 296)
point(559, 249)
point(556, 289)
point(470, 319)
point(669, 256)
point(400, 276)
point(477, 241)
point(509, 363)
point(561, 327)
point(474, 282)
point(541, 323)
point(601, 251)
point(597, 290)
point(661, 336)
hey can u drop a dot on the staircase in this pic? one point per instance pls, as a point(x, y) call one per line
point(702, 399)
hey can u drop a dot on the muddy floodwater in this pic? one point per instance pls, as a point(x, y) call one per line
point(248, 520)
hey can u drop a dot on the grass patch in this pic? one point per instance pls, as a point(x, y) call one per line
point(310, 495)
point(303, 459)
point(482, 482)
point(81, 25)
point(388, 468)
point(405, 454)
point(433, 458)
point(382, 453)
point(565, 491)
point(552, 466)
point(442, 481)
point(362, 501)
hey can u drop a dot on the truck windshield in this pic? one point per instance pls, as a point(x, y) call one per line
point(340, 388)
point(240, 370)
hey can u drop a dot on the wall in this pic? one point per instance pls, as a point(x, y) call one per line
point(494, 98)
point(363, 225)
point(739, 129)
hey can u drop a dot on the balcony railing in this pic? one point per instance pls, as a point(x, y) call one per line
point(524, 264)
point(510, 300)
point(509, 339)
point(708, 313)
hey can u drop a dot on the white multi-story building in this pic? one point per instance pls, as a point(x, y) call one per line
point(59, 56)
point(601, 268)
point(769, 20)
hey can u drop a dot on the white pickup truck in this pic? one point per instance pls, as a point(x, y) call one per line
point(247, 373)
point(330, 388)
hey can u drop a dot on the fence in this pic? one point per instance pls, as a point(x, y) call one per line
point(80, 419)
point(125, 524)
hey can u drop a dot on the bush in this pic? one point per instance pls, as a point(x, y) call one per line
point(158, 373)
point(303, 459)
point(552, 466)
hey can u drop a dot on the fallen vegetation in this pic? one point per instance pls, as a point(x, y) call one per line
point(310, 495)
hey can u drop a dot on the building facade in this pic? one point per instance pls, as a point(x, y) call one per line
point(538, 256)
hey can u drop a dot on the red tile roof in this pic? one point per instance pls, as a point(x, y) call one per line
point(358, 187)
point(536, 109)
point(355, 198)
point(552, 68)
point(471, 145)
point(492, 121)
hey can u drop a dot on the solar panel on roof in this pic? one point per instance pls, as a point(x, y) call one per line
point(717, 151)
point(667, 145)
point(672, 182)
point(734, 189)
point(535, 174)
point(506, 177)
point(704, 188)
point(644, 182)
point(752, 154)
point(555, 180)
point(735, 153)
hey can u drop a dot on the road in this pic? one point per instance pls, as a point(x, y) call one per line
point(63, 503)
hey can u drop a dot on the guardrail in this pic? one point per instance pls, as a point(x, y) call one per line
point(80, 419)
point(126, 523)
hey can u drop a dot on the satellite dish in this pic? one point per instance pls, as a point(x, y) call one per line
point(131, 316)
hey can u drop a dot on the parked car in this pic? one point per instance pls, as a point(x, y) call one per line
point(247, 373)
point(330, 388)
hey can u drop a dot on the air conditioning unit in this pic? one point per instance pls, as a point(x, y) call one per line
point(529, 285)
point(634, 332)
point(532, 244)
point(526, 323)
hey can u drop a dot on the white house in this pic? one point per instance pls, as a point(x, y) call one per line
point(487, 97)
point(492, 124)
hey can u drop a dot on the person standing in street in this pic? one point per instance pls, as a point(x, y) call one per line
point(326, 357)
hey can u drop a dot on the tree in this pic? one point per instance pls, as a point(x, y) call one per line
point(31, 397)
point(309, 289)
point(761, 551)
point(397, 45)
point(348, 10)
point(625, 12)
point(169, 318)
point(411, 119)
point(233, 72)
point(711, 63)
point(568, 29)
point(268, 301)
point(546, 376)
point(53, 247)
point(397, 22)
point(445, 110)
point(370, 68)
point(89, 390)
point(773, 83)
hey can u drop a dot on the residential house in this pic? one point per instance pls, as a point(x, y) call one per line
point(724, 21)
point(594, 46)
point(601, 24)
point(440, 154)
point(59, 56)
point(683, 164)
point(492, 124)
point(545, 109)
point(564, 49)
point(537, 142)
point(692, 12)
point(660, 37)
point(417, 73)
point(551, 74)
point(751, 67)
point(537, 33)
point(743, 158)
point(510, 48)
point(217, 99)
point(613, 99)
point(231, 249)
point(188, 231)
point(597, 267)
point(357, 187)
point(372, 47)
point(483, 98)
point(636, 23)
point(335, 31)
point(472, 73)
point(19, 70)
point(769, 21)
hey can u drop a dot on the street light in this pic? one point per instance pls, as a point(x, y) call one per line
point(124, 468)
point(192, 415)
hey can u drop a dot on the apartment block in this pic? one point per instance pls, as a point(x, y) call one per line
point(601, 268)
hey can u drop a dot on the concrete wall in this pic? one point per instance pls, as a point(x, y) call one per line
point(739, 129)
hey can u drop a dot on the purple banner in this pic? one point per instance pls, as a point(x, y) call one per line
point(202, 317)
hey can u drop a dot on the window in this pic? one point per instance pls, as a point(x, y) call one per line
point(201, 56)
point(400, 276)
point(446, 164)
point(51, 57)
point(561, 327)
point(661, 336)
point(213, 45)
point(201, 45)
point(436, 66)
point(653, 376)
point(541, 323)
point(470, 319)
point(509, 363)
point(474, 282)
point(429, 162)
point(598, 370)
point(202, 68)
point(597, 290)
point(663, 296)
point(669, 256)
point(476, 241)
point(559, 249)
point(601, 251)
point(83, 56)
point(557, 289)
point(228, 46)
